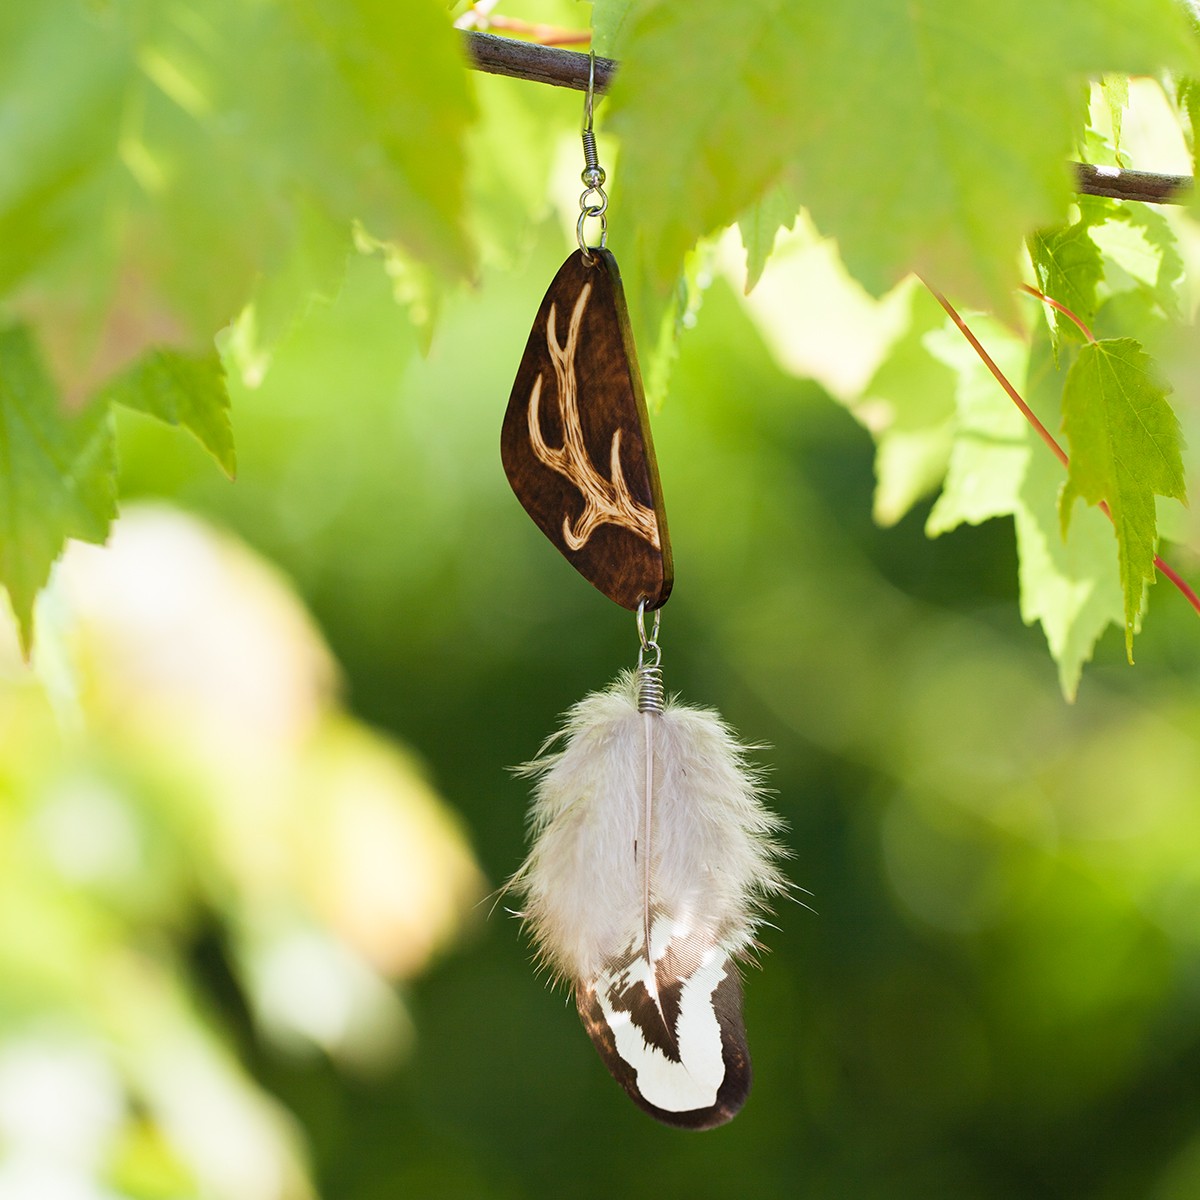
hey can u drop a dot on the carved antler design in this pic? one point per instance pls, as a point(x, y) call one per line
point(604, 502)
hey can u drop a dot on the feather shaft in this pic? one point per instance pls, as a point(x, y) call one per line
point(648, 832)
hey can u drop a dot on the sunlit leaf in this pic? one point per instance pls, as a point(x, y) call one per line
point(1142, 254)
point(1068, 584)
point(157, 161)
point(1125, 449)
point(907, 125)
point(181, 389)
point(991, 448)
point(1116, 97)
point(1189, 102)
point(57, 474)
point(1000, 467)
point(909, 408)
point(761, 224)
point(610, 19)
point(1069, 268)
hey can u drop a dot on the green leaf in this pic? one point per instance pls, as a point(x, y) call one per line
point(1125, 449)
point(57, 475)
point(1141, 254)
point(181, 389)
point(909, 409)
point(610, 21)
point(401, 67)
point(1000, 467)
point(991, 446)
point(1116, 97)
point(157, 161)
point(511, 160)
point(311, 273)
point(1069, 269)
point(906, 123)
point(760, 226)
point(675, 319)
point(1067, 583)
point(1188, 99)
point(699, 145)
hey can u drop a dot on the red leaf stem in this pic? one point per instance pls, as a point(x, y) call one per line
point(1188, 594)
point(1062, 308)
point(1001, 378)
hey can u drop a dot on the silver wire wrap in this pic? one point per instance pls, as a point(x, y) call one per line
point(594, 201)
point(651, 695)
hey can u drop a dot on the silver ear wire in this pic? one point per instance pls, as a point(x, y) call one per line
point(594, 201)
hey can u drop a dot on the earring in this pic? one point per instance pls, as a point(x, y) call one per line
point(653, 856)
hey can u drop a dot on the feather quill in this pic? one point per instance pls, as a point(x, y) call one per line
point(652, 862)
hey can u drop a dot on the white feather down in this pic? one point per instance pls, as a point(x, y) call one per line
point(713, 864)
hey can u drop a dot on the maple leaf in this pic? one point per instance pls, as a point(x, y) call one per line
point(999, 467)
point(181, 389)
point(57, 474)
point(909, 409)
point(926, 135)
point(1069, 268)
point(157, 161)
point(1125, 449)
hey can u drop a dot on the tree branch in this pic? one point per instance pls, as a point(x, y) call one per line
point(1132, 185)
point(541, 64)
point(569, 69)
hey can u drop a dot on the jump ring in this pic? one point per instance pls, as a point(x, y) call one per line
point(648, 643)
point(594, 211)
point(588, 204)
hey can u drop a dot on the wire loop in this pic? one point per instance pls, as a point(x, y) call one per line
point(648, 644)
point(581, 237)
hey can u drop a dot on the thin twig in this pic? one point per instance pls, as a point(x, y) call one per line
point(541, 64)
point(1188, 594)
point(565, 68)
point(1120, 184)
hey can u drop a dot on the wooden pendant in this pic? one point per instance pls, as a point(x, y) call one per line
point(576, 441)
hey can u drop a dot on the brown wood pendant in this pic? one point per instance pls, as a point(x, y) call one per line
point(576, 440)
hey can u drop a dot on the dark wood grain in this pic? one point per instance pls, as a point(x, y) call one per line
point(576, 442)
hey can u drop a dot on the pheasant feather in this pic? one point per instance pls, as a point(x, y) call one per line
point(653, 858)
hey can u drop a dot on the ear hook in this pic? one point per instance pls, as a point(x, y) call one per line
point(591, 91)
point(593, 202)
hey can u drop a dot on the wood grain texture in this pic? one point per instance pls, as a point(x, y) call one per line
point(576, 443)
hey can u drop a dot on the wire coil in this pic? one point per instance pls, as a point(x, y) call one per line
point(651, 694)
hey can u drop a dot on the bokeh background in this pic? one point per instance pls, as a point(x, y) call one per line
point(255, 799)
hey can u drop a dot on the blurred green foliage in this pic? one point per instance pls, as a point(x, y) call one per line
point(243, 949)
point(994, 992)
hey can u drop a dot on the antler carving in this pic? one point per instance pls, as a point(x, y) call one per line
point(605, 502)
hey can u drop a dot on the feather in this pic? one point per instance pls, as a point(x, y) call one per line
point(652, 861)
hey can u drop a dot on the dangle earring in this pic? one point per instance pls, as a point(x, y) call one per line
point(653, 856)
